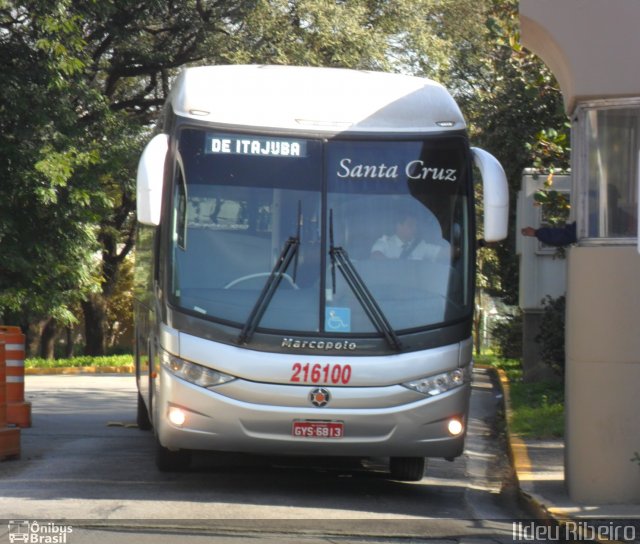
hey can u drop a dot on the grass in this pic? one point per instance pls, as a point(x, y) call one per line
point(537, 408)
point(81, 361)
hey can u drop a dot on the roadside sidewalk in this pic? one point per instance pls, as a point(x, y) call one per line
point(539, 469)
point(539, 466)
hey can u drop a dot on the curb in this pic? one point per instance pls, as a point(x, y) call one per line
point(126, 369)
point(519, 454)
point(521, 462)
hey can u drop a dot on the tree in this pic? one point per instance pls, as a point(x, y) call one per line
point(46, 227)
point(515, 110)
point(101, 69)
point(113, 64)
point(85, 81)
point(414, 36)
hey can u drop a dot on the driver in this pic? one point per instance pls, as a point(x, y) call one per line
point(406, 243)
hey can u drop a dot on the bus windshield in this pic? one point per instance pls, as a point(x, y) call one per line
point(398, 210)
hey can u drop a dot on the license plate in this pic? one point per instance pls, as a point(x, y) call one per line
point(318, 429)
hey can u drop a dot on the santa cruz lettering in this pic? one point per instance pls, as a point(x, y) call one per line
point(369, 171)
point(416, 170)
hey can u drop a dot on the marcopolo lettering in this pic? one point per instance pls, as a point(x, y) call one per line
point(293, 343)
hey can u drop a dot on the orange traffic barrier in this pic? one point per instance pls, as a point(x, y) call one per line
point(9, 437)
point(3, 387)
point(18, 411)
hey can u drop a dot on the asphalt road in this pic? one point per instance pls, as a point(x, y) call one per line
point(85, 464)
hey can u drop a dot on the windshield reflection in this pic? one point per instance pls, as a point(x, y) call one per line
point(406, 236)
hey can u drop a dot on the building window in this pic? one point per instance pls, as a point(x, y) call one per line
point(609, 136)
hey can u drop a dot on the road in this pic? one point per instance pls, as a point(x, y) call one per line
point(84, 461)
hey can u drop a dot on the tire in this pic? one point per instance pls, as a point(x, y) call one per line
point(407, 469)
point(142, 419)
point(172, 461)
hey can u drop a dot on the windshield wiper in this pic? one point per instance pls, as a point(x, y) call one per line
point(289, 253)
point(340, 258)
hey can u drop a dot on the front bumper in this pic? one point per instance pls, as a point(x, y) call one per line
point(406, 427)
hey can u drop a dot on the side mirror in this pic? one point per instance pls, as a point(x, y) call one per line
point(496, 195)
point(150, 179)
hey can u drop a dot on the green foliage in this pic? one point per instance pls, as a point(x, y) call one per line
point(507, 336)
point(84, 82)
point(120, 307)
point(543, 421)
point(511, 367)
point(555, 208)
point(82, 361)
point(551, 335)
point(537, 408)
point(551, 149)
point(310, 33)
point(555, 204)
point(515, 111)
point(47, 247)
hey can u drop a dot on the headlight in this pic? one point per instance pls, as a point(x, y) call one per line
point(194, 373)
point(441, 383)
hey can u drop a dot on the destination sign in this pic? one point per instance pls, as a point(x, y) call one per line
point(261, 146)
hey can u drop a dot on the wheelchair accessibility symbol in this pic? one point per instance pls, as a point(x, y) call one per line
point(337, 320)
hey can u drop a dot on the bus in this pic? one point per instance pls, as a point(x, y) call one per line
point(305, 266)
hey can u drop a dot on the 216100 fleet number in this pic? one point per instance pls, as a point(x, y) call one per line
point(318, 373)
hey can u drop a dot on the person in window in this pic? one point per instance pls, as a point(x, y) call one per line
point(406, 243)
point(553, 236)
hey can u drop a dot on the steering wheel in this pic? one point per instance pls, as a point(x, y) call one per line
point(235, 282)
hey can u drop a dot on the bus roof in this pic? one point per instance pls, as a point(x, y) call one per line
point(326, 100)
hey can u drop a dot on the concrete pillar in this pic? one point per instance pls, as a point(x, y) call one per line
point(603, 374)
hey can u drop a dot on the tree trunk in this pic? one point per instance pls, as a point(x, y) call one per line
point(95, 314)
point(117, 240)
point(68, 350)
point(48, 339)
point(32, 337)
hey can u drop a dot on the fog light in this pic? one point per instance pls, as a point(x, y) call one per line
point(455, 427)
point(177, 416)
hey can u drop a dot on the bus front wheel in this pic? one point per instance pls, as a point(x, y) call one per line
point(407, 469)
point(143, 420)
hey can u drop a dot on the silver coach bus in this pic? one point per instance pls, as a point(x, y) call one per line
point(305, 266)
